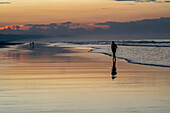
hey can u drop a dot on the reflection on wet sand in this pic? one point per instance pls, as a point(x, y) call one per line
point(114, 72)
point(26, 54)
point(67, 80)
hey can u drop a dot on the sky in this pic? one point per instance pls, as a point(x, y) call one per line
point(21, 12)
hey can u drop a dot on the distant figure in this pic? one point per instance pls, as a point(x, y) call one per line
point(114, 47)
point(114, 72)
point(32, 44)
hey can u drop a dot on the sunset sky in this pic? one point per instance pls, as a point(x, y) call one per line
point(22, 12)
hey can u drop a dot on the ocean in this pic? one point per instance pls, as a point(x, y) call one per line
point(145, 52)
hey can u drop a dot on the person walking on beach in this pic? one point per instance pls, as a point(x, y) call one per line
point(114, 47)
point(32, 44)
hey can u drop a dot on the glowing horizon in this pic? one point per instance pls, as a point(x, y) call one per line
point(85, 11)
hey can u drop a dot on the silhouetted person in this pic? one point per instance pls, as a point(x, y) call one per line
point(32, 44)
point(114, 47)
point(114, 72)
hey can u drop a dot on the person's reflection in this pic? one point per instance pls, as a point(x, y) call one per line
point(114, 72)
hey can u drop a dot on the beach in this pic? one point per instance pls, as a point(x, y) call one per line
point(51, 79)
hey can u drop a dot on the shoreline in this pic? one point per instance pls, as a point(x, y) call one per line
point(127, 60)
point(59, 79)
point(130, 61)
point(88, 50)
point(135, 60)
point(7, 44)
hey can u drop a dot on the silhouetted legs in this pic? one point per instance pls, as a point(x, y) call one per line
point(114, 56)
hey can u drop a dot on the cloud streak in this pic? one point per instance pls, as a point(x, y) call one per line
point(5, 2)
point(146, 26)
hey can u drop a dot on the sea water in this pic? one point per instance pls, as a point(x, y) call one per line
point(148, 52)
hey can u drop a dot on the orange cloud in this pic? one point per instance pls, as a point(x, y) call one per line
point(101, 26)
point(12, 27)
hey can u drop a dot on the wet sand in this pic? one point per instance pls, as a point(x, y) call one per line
point(48, 79)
